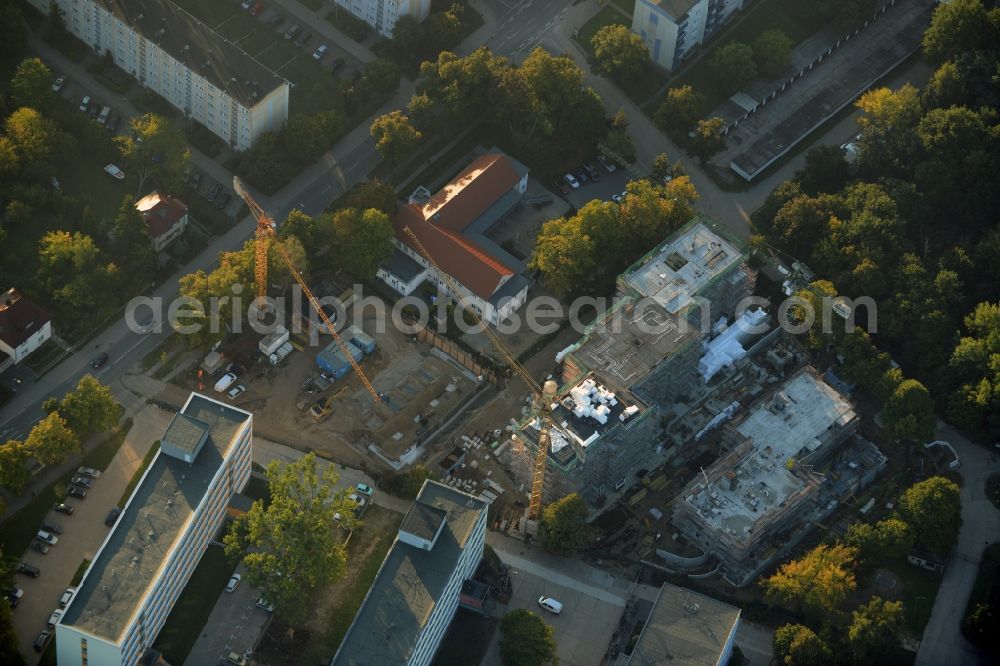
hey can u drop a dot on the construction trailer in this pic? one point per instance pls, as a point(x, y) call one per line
point(273, 341)
point(332, 362)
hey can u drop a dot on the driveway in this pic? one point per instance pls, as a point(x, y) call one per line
point(83, 532)
point(234, 625)
point(943, 642)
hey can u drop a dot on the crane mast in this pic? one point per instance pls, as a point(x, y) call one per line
point(263, 236)
point(542, 396)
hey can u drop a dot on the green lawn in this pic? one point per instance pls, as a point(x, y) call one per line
point(793, 17)
point(314, 88)
point(920, 589)
point(194, 605)
point(17, 531)
point(627, 6)
point(87, 181)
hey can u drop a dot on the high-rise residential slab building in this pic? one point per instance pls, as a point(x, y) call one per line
point(383, 14)
point(672, 28)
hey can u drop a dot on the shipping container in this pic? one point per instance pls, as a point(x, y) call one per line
point(273, 341)
point(359, 338)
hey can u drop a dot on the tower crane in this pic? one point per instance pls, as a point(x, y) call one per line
point(543, 397)
point(264, 234)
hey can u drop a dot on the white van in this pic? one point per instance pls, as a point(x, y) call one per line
point(224, 383)
point(550, 604)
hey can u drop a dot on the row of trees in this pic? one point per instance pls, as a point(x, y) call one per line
point(582, 254)
point(415, 41)
point(819, 584)
point(916, 228)
point(542, 106)
point(89, 409)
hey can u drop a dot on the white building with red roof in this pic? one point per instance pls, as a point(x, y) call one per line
point(24, 327)
point(452, 225)
point(166, 218)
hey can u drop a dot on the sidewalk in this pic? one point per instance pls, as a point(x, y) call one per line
point(317, 22)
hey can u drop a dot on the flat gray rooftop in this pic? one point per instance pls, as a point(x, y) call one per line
point(146, 532)
point(685, 628)
point(831, 85)
point(409, 584)
point(196, 45)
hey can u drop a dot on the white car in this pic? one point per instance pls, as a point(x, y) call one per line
point(265, 604)
point(233, 582)
point(618, 198)
point(320, 52)
point(572, 181)
point(114, 171)
point(58, 84)
point(236, 391)
point(88, 471)
point(365, 488)
point(550, 604)
point(55, 617)
point(246, 4)
point(358, 499)
point(85, 103)
point(225, 382)
point(67, 597)
point(47, 537)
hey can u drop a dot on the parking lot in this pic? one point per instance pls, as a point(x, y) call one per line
point(234, 625)
point(608, 185)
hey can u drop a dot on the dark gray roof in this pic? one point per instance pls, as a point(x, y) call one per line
point(402, 266)
point(198, 47)
point(685, 628)
point(409, 584)
point(509, 289)
point(185, 433)
point(148, 529)
point(423, 520)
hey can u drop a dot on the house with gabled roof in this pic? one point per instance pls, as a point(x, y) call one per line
point(452, 225)
point(24, 327)
point(166, 218)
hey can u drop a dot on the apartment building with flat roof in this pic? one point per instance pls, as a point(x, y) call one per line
point(672, 28)
point(148, 556)
point(383, 14)
point(169, 51)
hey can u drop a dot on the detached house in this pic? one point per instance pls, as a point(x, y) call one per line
point(452, 226)
point(166, 218)
point(24, 327)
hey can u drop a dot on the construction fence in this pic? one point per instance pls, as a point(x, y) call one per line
point(458, 354)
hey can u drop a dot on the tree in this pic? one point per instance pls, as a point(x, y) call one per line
point(889, 539)
point(33, 138)
point(363, 240)
point(10, 646)
point(407, 37)
point(154, 148)
point(798, 645)
point(874, 630)
point(974, 370)
point(13, 34)
point(960, 26)
point(14, 474)
point(707, 139)
point(864, 364)
point(771, 51)
point(131, 243)
point(380, 77)
point(909, 413)
point(566, 253)
point(619, 52)
point(51, 440)
point(817, 583)
point(619, 142)
point(564, 528)
point(32, 85)
point(680, 109)
point(290, 547)
point(525, 640)
point(889, 142)
point(826, 171)
point(733, 65)
point(933, 509)
point(372, 193)
point(310, 231)
point(406, 484)
point(395, 137)
point(90, 408)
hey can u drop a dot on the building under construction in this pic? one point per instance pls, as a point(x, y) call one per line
point(640, 355)
point(785, 467)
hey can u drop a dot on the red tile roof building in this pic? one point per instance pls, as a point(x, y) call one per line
point(24, 326)
point(166, 218)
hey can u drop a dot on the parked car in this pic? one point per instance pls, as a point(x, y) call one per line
point(223, 200)
point(337, 65)
point(581, 176)
point(266, 605)
point(94, 111)
point(236, 391)
point(257, 9)
point(592, 171)
point(13, 592)
point(81, 481)
point(276, 20)
point(39, 547)
point(234, 581)
point(112, 517)
point(357, 499)
point(64, 508)
point(53, 527)
point(28, 570)
point(214, 192)
point(88, 471)
point(246, 4)
point(67, 597)
point(114, 171)
point(47, 537)
point(550, 604)
point(618, 198)
point(237, 659)
point(301, 40)
point(236, 369)
point(365, 489)
point(195, 180)
point(42, 640)
point(572, 181)
point(85, 103)
point(77, 492)
point(58, 84)
point(292, 32)
point(563, 187)
point(101, 358)
point(55, 617)
point(113, 122)
point(320, 52)
point(609, 165)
